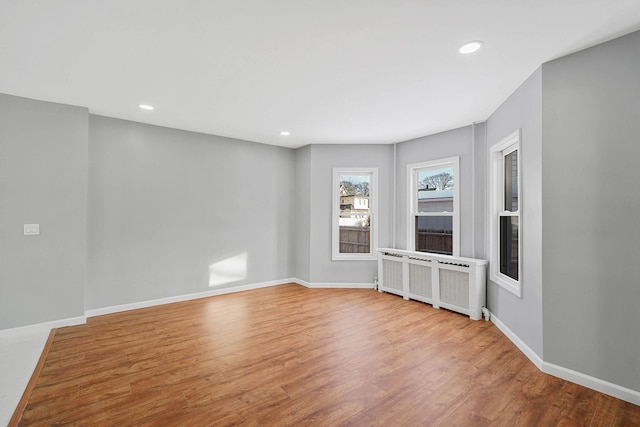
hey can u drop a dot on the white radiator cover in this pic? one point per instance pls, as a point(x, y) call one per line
point(454, 283)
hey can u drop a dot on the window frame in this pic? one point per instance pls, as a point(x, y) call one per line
point(412, 185)
point(497, 154)
point(336, 255)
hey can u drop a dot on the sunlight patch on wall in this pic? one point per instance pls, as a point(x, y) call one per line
point(228, 270)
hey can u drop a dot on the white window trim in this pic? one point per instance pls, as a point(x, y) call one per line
point(373, 214)
point(497, 153)
point(412, 183)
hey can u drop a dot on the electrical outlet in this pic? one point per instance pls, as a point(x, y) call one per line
point(31, 229)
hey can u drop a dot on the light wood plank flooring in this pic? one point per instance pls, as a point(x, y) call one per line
point(288, 355)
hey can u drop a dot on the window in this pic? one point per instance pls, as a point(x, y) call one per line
point(506, 210)
point(433, 212)
point(354, 213)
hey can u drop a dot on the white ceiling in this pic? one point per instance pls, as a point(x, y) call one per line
point(328, 71)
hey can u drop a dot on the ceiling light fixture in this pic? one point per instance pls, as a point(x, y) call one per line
point(146, 106)
point(285, 133)
point(470, 47)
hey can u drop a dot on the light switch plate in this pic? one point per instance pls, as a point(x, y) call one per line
point(31, 229)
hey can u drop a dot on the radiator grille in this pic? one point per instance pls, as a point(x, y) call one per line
point(420, 280)
point(392, 274)
point(444, 281)
point(454, 288)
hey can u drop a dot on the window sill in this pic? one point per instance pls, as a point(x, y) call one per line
point(352, 257)
point(507, 283)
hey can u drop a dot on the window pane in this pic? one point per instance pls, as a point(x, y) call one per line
point(434, 234)
point(435, 190)
point(355, 220)
point(509, 246)
point(511, 182)
point(356, 239)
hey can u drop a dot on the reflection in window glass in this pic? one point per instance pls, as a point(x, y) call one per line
point(511, 182)
point(509, 246)
point(355, 216)
point(434, 234)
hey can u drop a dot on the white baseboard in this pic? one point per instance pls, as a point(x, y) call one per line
point(317, 285)
point(588, 381)
point(186, 297)
point(222, 291)
point(44, 326)
point(528, 351)
point(47, 326)
point(593, 383)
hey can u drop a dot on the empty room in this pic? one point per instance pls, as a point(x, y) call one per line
point(362, 213)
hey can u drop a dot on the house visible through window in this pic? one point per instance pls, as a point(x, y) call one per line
point(506, 211)
point(434, 206)
point(354, 229)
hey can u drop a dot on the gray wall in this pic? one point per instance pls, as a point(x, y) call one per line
point(323, 159)
point(457, 142)
point(591, 207)
point(523, 110)
point(166, 204)
point(302, 212)
point(479, 196)
point(43, 176)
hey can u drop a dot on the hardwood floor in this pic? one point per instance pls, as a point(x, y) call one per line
point(288, 355)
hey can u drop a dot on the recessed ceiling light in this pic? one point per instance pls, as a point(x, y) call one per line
point(470, 47)
point(146, 106)
point(285, 133)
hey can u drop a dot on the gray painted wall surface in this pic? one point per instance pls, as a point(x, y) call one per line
point(523, 110)
point(323, 159)
point(302, 213)
point(453, 143)
point(43, 170)
point(166, 204)
point(479, 188)
point(591, 207)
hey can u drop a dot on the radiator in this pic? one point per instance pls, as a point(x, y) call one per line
point(454, 283)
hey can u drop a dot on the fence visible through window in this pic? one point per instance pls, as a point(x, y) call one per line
point(355, 240)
